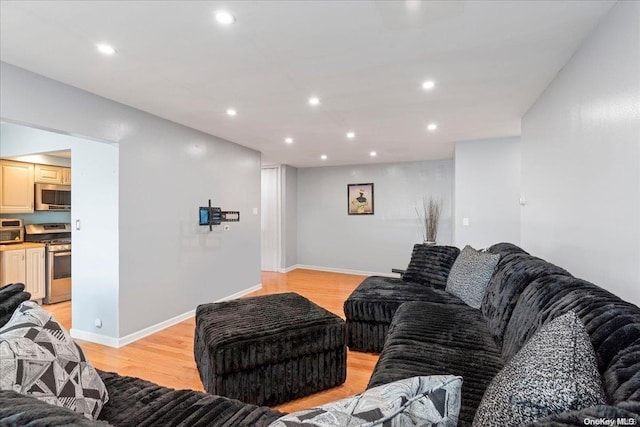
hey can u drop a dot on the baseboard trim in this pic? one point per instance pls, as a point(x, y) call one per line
point(150, 330)
point(344, 270)
point(288, 269)
point(241, 293)
point(128, 339)
point(94, 338)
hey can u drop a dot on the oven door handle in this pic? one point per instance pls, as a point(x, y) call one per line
point(57, 254)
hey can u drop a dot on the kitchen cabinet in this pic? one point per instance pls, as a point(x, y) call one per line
point(48, 174)
point(24, 266)
point(34, 272)
point(66, 176)
point(13, 265)
point(16, 187)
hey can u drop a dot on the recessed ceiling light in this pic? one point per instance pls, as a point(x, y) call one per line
point(106, 49)
point(432, 126)
point(429, 84)
point(323, 157)
point(224, 17)
point(373, 154)
point(351, 135)
point(314, 100)
point(231, 112)
point(288, 140)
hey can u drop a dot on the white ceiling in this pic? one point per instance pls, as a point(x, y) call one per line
point(365, 59)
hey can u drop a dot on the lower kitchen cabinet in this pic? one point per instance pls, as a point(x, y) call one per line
point(13, 267)
point(35, 272)
point(24, 266)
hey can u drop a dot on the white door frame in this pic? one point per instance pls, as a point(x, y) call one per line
point(277, 258)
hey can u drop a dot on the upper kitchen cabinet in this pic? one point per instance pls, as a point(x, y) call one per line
point(47, 174)
point(16, 187)
point(66, 176)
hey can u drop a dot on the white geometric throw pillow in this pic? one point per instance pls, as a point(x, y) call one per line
point(417, 401)
point(39, 358)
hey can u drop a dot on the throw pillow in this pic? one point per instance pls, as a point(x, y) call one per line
point(470, 275)
point(417, 401)
point(39, 358)
point(555, 371)
point(430, 265)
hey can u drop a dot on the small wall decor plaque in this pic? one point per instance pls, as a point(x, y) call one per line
point(360, 199)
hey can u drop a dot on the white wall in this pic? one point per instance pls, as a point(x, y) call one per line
point(167, 264)
point(487, 191)
point(329, 238)
point(94, 266)
point(581, 160)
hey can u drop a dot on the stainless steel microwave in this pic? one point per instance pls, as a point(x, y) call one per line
point(53, 197)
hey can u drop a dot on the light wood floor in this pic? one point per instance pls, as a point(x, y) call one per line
point(166, 357)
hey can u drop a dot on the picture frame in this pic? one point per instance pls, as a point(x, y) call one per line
point(360, 199)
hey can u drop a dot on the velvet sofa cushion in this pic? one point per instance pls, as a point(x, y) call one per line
point(513, 274)
point(613, 326)
point(11, 296)
point(554, 372)
point(134, 402)
point(377, 298)
point(503, 249)
point(39, 358)
point(437, 339)
point(470, 275)
point(417, 401)
point(430, 265)
point(19, 410)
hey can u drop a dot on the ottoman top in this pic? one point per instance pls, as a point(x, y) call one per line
point(267, 315)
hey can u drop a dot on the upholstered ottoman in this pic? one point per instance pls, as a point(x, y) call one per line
point(269, 349)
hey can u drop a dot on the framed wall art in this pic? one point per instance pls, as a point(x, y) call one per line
point(360, 199)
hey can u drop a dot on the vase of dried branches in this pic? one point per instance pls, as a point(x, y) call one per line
point(429, 217)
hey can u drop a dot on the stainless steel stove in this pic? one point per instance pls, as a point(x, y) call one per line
point(57, 237)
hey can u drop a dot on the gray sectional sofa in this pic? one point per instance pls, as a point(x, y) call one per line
point(419, 329)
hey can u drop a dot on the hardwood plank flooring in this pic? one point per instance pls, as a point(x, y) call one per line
point(166, 357)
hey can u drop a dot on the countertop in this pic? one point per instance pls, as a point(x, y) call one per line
point(17, 246)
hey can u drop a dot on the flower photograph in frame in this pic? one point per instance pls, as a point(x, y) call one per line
point(360, 199)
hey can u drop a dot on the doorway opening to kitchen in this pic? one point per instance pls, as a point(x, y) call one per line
point(80, 286)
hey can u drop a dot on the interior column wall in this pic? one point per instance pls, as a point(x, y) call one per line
point(487, 192)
